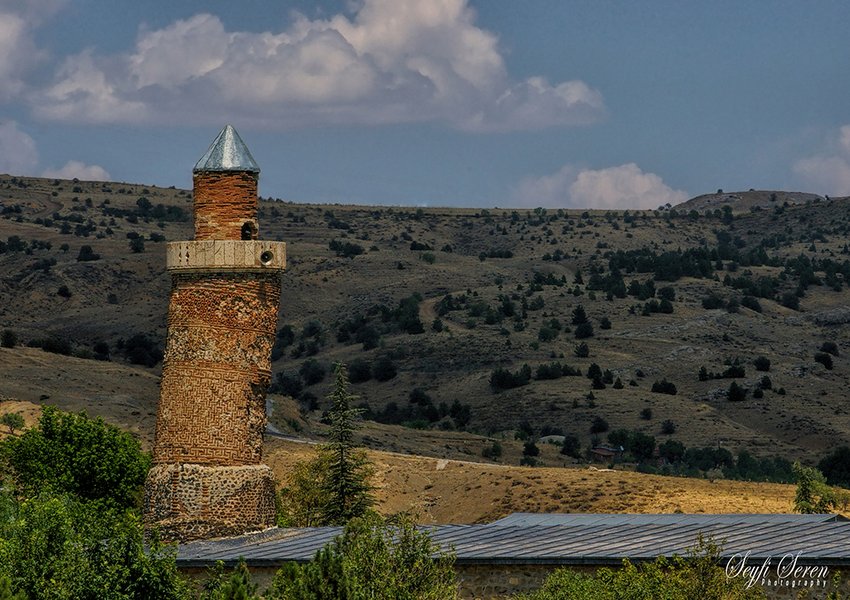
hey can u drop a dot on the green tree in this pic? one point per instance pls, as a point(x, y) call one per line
point(70, 453)
point(304, 500)
point(579, 315)
point(58, 548)
point(373, 559)
point(813, 494)
point(348, 469)
point(13, 421)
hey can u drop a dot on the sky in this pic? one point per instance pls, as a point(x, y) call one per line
point(508, 103)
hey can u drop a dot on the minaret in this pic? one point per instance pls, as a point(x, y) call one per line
point(207, 478)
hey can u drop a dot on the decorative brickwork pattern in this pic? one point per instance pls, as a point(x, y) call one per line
point(190, 502)
point(224, 201)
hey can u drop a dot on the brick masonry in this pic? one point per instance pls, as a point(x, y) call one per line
point(224, 201)
point(207, 479)
point(221, 328)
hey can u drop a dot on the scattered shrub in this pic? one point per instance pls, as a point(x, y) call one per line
point(598, 425)
point(762, 363)
point(736, 393)
point(664, 387)
point(824, 359)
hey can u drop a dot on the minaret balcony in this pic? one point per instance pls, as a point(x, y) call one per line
point(225, 255)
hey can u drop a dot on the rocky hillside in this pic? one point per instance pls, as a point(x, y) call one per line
point(437, 312)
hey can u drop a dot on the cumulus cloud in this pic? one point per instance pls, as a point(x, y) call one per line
point(622, 187)
point(392, 61)
point(18, 153)
point(18, 50)
point(76, 169)
point(829, 172)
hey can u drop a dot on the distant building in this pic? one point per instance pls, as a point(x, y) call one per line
point(605, 453)
point(517, 553)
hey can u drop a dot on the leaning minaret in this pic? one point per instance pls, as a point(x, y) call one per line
point(208, 479)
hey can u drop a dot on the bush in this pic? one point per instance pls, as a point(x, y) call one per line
point(584, 331)
point(359, 371)
point(829, 348)
point(762, 363)
point(64, 291)
point(312, 372)
point(87, 254)
point(736, 393)
point(824, 359)
point(56, 345)
point(384, 369)
point(8, 339)
point(712, 301)
point(581, 350)
point(646, 414)
point(502, 379)
point(790, 300)
point(751, 302)
point(530, 449)
point(235, 585)
point(598, 425)
point(836, 467)
point(571, 446)
point(668, 427)
point(664, 387)
point(137, 245)
point(345, 249)
point(142, 350)
point(700, 575)
point(493, 451)
point(286, 384)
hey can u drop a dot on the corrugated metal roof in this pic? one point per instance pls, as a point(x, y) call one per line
point(227, 153)
point(570, 539)
point(661, 519)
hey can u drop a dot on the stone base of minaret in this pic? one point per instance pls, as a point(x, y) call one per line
point(189, 502)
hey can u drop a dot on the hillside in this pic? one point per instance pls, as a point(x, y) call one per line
point(365, 285)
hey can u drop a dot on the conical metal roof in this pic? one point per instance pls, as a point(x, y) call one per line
point(227, 153)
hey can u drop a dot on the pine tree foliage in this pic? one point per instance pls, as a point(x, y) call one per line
point(348, 469)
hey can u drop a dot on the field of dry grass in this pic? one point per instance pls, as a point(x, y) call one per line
point(452, 491)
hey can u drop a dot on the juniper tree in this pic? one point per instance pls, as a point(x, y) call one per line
point(347, 479)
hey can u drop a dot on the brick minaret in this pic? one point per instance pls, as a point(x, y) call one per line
point(208, 479)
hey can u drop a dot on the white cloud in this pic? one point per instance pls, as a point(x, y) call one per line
point(622, 187)
point(392, 61)
point(829, 172)
point(18, 153)
point(76, 169)
point(18, 50)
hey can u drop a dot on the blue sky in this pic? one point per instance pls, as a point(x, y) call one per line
point(436, 102)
